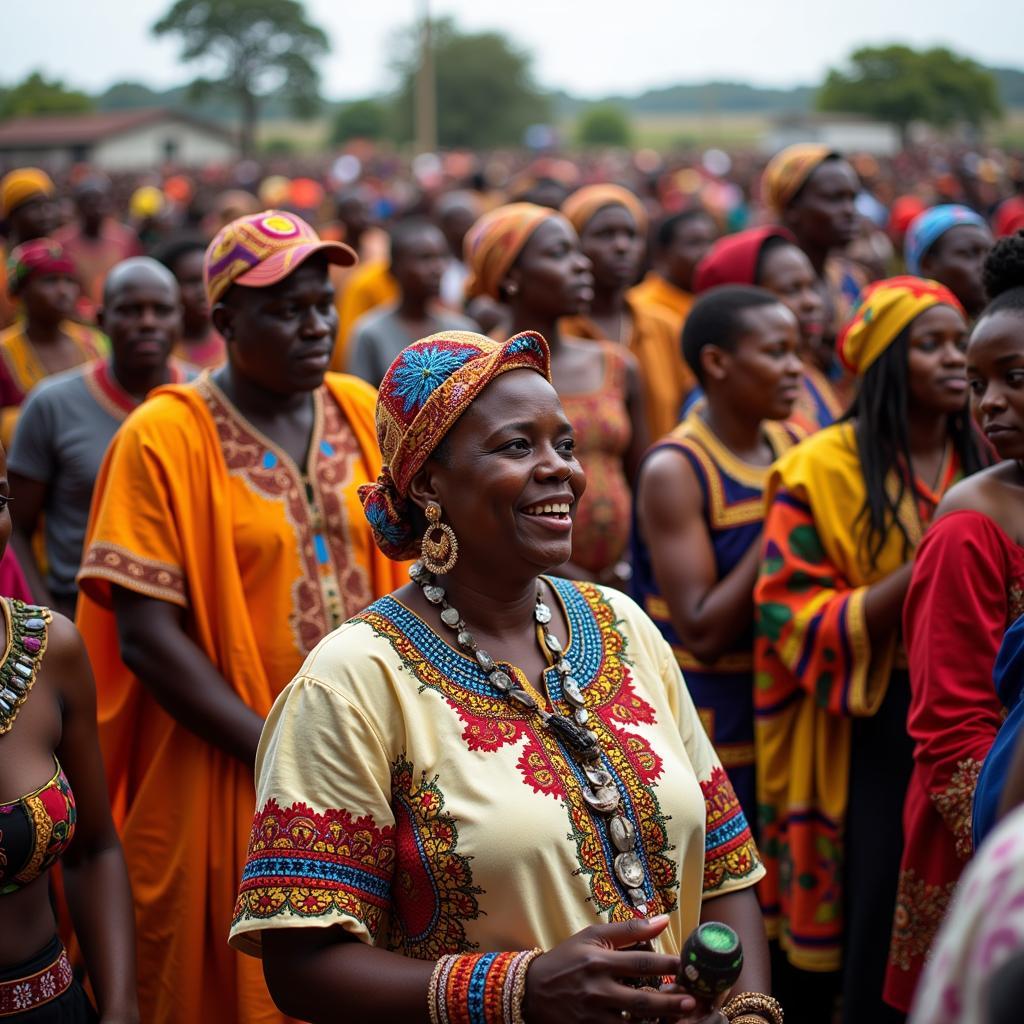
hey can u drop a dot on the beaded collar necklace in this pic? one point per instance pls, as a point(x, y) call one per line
point(26, 644)
point(600, 792)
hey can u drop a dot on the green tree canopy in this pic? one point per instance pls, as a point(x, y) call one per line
point(900, 85)
point(260, 47)
point(485, 93)
point(40, 95)
point(604, 124)
point(363, 119)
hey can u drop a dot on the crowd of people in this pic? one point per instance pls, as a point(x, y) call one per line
point(431, 592)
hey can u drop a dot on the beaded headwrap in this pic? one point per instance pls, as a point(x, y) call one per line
point(883, 310)
point(427, 388)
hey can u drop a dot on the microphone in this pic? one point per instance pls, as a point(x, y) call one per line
point(710, 962)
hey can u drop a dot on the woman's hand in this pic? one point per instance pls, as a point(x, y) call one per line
point(579, 981)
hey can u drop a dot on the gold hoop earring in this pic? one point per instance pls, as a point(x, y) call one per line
point(438, 554)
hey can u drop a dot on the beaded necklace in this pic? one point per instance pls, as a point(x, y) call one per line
point(26, 645)
point(600, 792)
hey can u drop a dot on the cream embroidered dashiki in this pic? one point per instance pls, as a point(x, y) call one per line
point(404, 798)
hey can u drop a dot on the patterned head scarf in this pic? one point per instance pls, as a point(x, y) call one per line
point(883, 310)
point(36, 258)
point(585, 202)
point(261, 249)
point(495, 241)
point(427, 388)
point(787, 172)
point(927, 228)
point(22, 185)
point(733, 259)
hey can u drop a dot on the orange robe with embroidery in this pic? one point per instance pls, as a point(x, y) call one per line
point(195, 507)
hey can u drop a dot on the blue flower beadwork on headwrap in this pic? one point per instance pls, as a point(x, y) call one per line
point(525, 343)
point(422, 370)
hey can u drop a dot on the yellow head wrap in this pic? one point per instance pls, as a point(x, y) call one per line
point(787, 172)
point(23, 184)
point(585, 202)
point(883, 310)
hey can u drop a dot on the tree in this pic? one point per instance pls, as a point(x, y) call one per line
point(364, 119)
point(262, 47)
point(604, 124)
point(485, 92)
point(39, 95)
point(901, 85)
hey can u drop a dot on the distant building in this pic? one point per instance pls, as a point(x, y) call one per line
point(845, 133)
point(124, 140)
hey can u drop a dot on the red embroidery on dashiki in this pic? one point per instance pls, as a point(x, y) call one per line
point(308, 863)
point(20, 995)
point(729, 850)
point(597, 653)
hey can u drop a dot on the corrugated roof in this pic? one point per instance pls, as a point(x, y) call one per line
point(83, 129)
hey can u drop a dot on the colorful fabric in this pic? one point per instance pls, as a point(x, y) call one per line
point(968, 582)
point(40, 257)
point(844, 281)
point(927, 228)
point(262, 249)
point(358, 291)
point(440, 817)
point(25, 996)
point(602, 430)
point(495, 241)
point(733, 500)
point(655, 290)
point(428, 387)
point(984, 929)
point(580, 207)
point(733, 259)
point(479, 988)
point(884, 309)
point(815, 669)
point(653, 338)
point(21, 369)
point(817, 405)
point(1008, 678)
point(787, 172)
point(194, 507)
point(21, 185)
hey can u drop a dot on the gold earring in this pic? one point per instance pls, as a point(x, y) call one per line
point(438, 554)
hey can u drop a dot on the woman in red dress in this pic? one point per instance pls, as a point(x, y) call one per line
point(967, 588)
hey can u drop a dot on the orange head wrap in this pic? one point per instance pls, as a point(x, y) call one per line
point(21, 185)
point(883, 310)
point(585, 202)
point(495, 241)
point(787, 172)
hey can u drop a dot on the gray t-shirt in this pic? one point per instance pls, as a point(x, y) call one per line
point(63, 431)
point(379, 336)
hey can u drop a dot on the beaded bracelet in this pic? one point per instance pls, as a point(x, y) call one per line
point(753, 1004)
point(479, 988)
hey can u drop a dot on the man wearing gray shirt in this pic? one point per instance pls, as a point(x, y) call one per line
point(419, 255)
point(68, 421)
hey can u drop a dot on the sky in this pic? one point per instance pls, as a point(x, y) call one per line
point(590, 48)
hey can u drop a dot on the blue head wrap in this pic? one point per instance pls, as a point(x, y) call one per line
point(928, 227)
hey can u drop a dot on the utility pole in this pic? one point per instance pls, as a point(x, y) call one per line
point(426, 93)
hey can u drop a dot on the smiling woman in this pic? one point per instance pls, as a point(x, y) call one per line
point(484, 791)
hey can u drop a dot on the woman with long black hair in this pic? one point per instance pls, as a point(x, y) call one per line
point(846, 511)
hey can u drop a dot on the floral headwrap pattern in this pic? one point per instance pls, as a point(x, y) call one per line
point(427, 388)
point(585, 202)
point(36, 258)
point(787, 172)
point(883, 310)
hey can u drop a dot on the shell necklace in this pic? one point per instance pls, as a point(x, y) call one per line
point(599, 790)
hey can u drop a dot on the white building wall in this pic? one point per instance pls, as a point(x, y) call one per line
point(153, 145)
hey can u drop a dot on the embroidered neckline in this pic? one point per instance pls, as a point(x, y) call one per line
point(26, 629)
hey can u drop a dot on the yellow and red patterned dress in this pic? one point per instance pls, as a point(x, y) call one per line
point(403, 798)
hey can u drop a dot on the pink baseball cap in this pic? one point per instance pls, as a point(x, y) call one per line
point(261, 249)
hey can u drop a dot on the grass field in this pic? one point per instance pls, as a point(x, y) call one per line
point(661, 132)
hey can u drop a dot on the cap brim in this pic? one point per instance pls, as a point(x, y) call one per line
point(278, 266)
